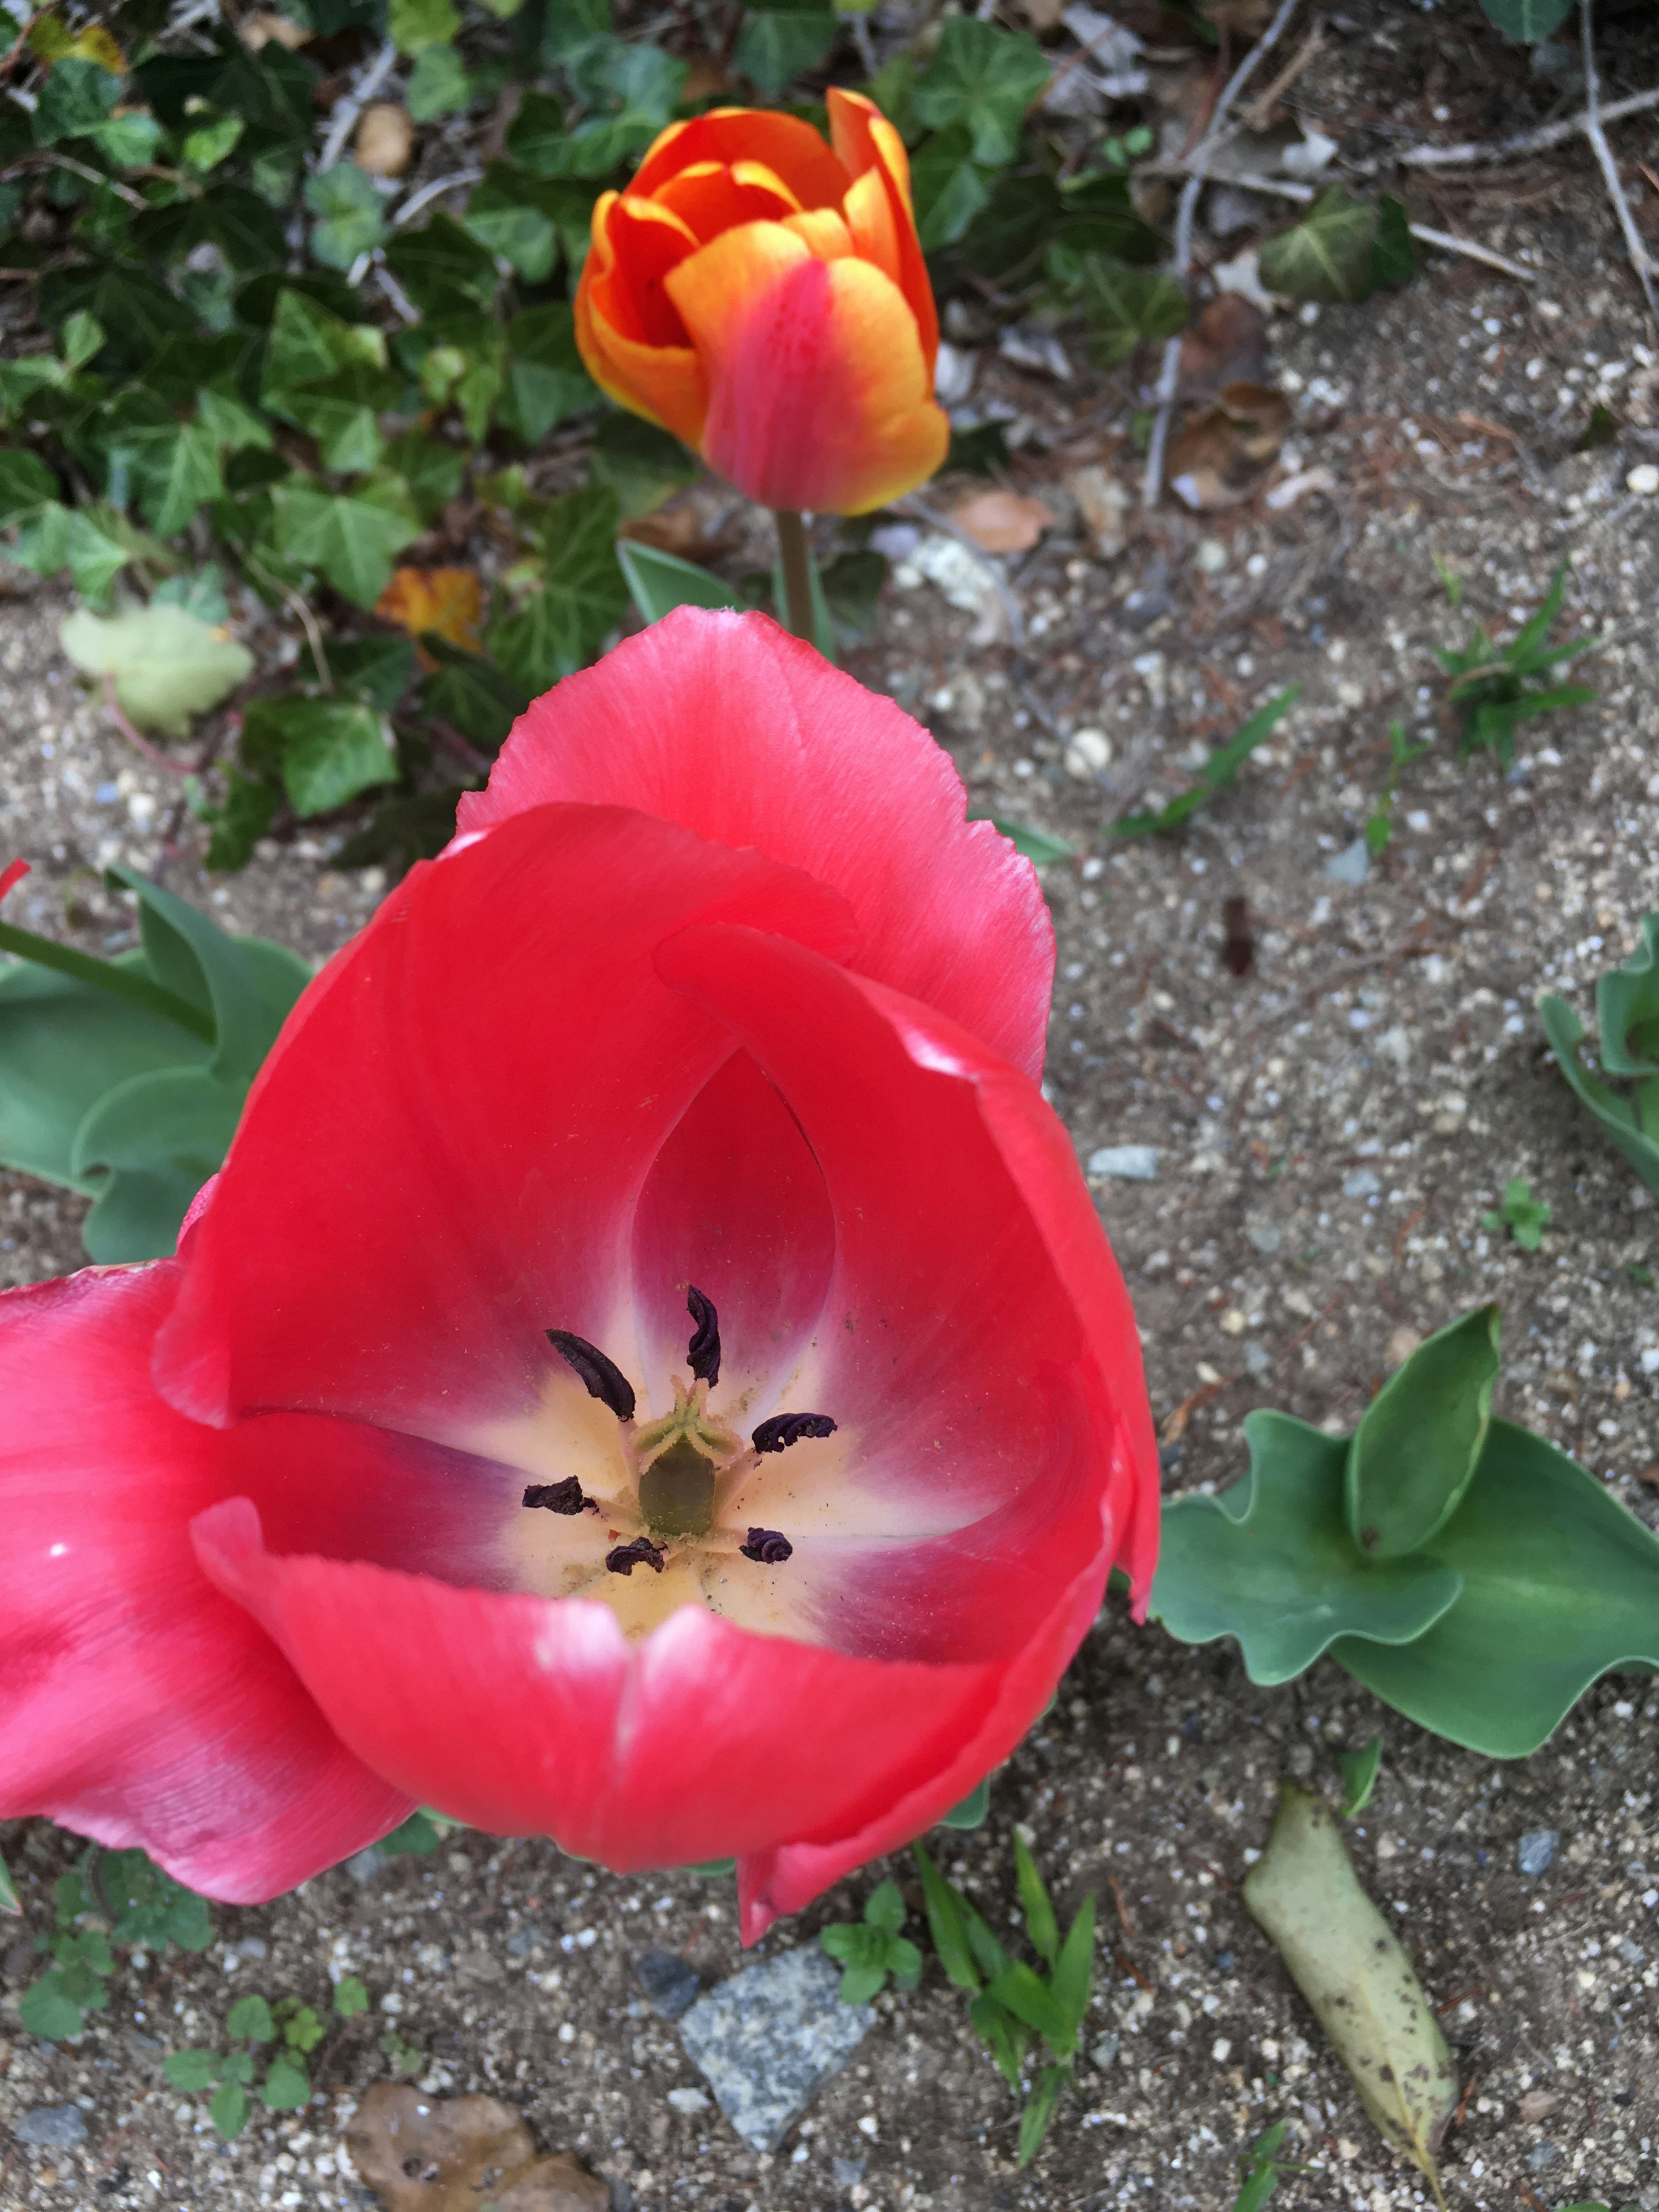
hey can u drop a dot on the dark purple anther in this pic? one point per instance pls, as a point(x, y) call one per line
point(642, 1552)
point(603, 1379)
point(786, 1428)
point(766, 1547)
point(564, 1496)
point(703, 1354)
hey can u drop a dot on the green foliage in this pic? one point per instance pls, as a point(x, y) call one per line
point(351, 1997)
point(1379, 824)
point(1216, 773)
point(163, 662)
point(1525, 1217)
point(1470, 1574)
point(986, 78)
point(1627, 1014)
point(1012, 2001)
point(292, 2026)
point(1493, 691)
point(1122, 307)
point(1343, 249)
point(1528, 21)
point(871, 1950)
point(1359, 1772)
point(110, 1899)
point(415, 1838)
point(1260, 2168)
point(124, 1078)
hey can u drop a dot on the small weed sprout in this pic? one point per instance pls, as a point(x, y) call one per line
point(293, 2027)
point(1525, 1217)
point(111, 1898)
point(871, 1950)
point(1495, 690)
point(1379, 826)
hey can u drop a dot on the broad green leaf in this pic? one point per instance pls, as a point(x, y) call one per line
point(351, 217)
point(1528, 21)
point(545, 380)
point(632, 91)
point(202, 595)
point(309, 343)
point(239, 824)
point(659, 582)
point(233, 425)
point(1632, 1120)
point(775, 45)
point(1125, 306)
point(229, 2110)
point(442, 264)
point(249, 2021)
point(247, 984)
point(343, 411)
point(470, 693)
point(1074, 1969)
point(26, 485)
point(326, 750)
point(76, 97)
point(438, 85)
point(1039, 2111)
point(74, 539)
point(415, 1837)
point(415, 25)
point(379, 669)
point(136, 312)
point(529, 220)
point(984, 77)
point(191, 2069)
point(971, 1812)
point(352, 538)
point(884, 1907)
point(432, 471)
point(413, 828)
point(1350, 1966)
point(1560, 1584)
point(204, 148)
point(1270, 1561)
point(851, 585)
point(948, 187)
point(174, 471)
point(561, 622)
point(1359, 1772)
point(1394, 252)
point(82, 339)
point(166, 663)
point(244, 229)
point(147, 1147)
point(45, 2009)
point(536, 136)
point(1417, 1446)
point(148, 1906)
point(1328, 254)
point(1020, 1992)
point(1039, 1923)
point(1627, 1009)
point(642, 464)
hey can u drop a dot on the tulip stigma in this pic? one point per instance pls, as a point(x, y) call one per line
point(703, 1354)
point(767, 1547)
point(566, 1496)
point(640, 1553)
point(783, 1430)
point(603, 1379)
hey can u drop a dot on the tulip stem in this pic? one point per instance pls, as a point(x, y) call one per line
point(797, 573)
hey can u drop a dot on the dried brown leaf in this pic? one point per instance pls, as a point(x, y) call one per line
point(1226, 343)
point(424, 2153)
point(386, 139)
point(1003, 521)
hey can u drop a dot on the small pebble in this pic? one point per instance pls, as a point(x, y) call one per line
point(688, 2101)
point(1089, 751)
point(1643, 480)
point(1212, 555)
point(53, 2127)
point(1362, 1182)
point(1125, 1163)
point(847, 2172)
point(1105, 2051)
point(1536, 1850)
point(1351, 865)
point(671, 1985)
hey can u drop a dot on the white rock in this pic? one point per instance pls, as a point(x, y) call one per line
point(1242, 275)
point(1643, 480)
point(1314, 153)
point(1089, 751)
point(953, 374)
point(1103, 503)
point(1125, 1162)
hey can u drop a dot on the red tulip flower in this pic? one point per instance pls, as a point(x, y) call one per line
point(649, 1372)
point(764, 296)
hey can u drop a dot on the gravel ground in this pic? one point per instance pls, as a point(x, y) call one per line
point(1329, 1127)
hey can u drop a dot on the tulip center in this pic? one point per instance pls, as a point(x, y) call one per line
point(661, 1522)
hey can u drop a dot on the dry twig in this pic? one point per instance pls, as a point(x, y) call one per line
point(1475, 153)
point(1615, 184)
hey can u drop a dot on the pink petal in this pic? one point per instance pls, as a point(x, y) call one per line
point(723, 722)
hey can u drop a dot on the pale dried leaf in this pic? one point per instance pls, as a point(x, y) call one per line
point(166, 663)
point(1003, 521)
point(434, 2154)
point(1350, 1966)
point(386, 139)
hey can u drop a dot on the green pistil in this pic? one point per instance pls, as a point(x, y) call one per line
point(677, 1493)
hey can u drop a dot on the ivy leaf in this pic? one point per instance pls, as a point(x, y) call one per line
point(563, 616)
point(137, 314)
point(310, 344)
point(342, 414)
point(415, 25)
point(641, 86)
point(545, 381)
point(984, 77)
point(352, 538)
point(442, 264)
point(775, 45)
point(1126, 307)
point(377, 668)
point(415, 1837)
point(326, 750)
point(431, 472)
point(529, 220)
point(1393, 251)
point(438, 85)
point(1270, 1561)
point(642, 464)
point(175, 469)
point(1416, 1448)
point(1528, 21)
point(73, 539)
point(471, 694)
point(948, 187)
point(76, 98)
point(351, 217)
point(166, 663)
point(1328, 254)
point(1350, 1966)
point(26, 485)
point(536, 136)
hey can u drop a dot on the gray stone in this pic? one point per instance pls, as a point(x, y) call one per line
point(670, 1984)
point(53, 2127)
point(688, 2101)
point(1125, 1163)
point(1537, 1849)
point(363, 1866)
point(1361, 1183)
point(1104, 2052)
point(765, 2039)
point(847, 2172)
point(1264, 1233)
point(1351, 865)
point(1543, 2155)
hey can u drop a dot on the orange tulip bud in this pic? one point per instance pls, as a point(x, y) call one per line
point(765, 298)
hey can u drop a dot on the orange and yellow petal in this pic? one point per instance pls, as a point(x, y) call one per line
point(826, 236)
point(664, 383)
point(819, 395)
point(642, 242)
point(871, 225)
point(792, 149)
point(709, 197)
point(869, 145)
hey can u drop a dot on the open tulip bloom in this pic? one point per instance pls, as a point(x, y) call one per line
point(763, 296)
point(649, 1372)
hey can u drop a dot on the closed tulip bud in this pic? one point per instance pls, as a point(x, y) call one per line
point(763, 296)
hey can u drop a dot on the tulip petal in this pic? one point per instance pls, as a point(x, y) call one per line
point(734, 1203)
point(792, 149)
point(981, 1355)
point(746, 735)
point(819, 394)
point(665, 383)
point(500, 1029)
point(869, 146)
point(646, 241)
point(526, 1717)
point(137, 1705)
point(823, 233)
point(709, 197)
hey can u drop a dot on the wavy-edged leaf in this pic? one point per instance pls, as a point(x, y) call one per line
point(166, 663)
point(1528, 21)
point(1270, 1562)
point(1328, 254)
point(1418, 1445)
point(1351, 1967)
point(987, 78)
point(325, 750)
point(352, 538)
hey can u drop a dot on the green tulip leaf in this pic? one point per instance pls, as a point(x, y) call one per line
point(1560, 1585)
point(1627, 1009)
point(1627, 1005)
point(149, 1144)
point(1270, 1562)
point(1416, 1448)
